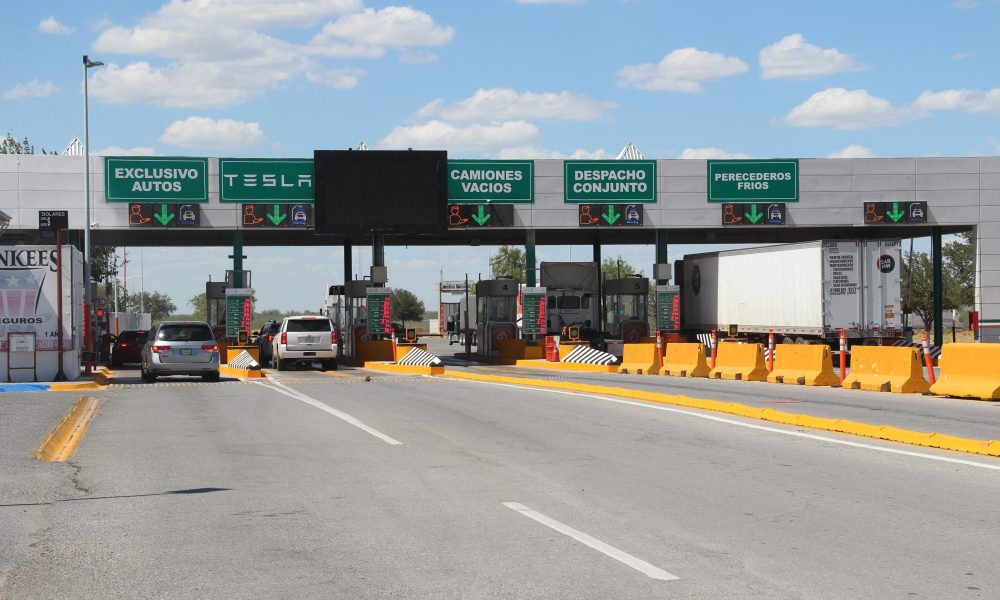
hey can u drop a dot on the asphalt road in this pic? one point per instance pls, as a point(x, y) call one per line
point(329, 486)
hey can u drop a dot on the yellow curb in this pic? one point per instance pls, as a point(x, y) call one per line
point(882, 432)
point(244, 373)
point(61, 444)
point(405, 369)
point(102, 378)
point(564, 366)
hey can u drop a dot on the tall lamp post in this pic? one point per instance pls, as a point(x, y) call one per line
point(87, 299)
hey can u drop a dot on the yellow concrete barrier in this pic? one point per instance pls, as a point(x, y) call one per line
point(803, 365)
point(404, 349)
point(685, 360)
point(743, 362)
point(639, 359)
point(511, 349)
point(969, 371)
point(886, 369)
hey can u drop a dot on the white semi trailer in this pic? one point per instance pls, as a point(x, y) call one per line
point(803, 292)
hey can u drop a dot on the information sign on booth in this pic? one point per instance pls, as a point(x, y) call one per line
point(379, 313)
point(753, 213)
point(668, 308)
point(239, 310)
point(534, 319)
point(895, 213)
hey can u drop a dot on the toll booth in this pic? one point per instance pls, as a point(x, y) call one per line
point(334, 309)
point(355, 315)
point(496, 309)
point(627, 302)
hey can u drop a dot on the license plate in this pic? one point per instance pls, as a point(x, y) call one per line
point(185, 351)
point(310, 339)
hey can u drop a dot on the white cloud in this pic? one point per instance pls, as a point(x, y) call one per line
point(51, 25)
point(393, 27)
point(711, 153)
point(119, 151)
point(338, 78)
point(848, 109)
point(682, 70)
point(211, 134)
point(219, 52)
point(524, 152)
point(972, 101)
point(853, 151)
point(33, 89)
point(962, 55)
point(499, 104)
point(793, 58)
point(471, 138)
point(417, 57)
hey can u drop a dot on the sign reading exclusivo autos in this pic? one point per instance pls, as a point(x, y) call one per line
point(155, 179)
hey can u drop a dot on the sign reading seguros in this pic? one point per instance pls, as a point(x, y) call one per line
point(155, 179)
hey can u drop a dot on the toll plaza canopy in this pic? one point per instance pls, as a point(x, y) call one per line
point(187, 201)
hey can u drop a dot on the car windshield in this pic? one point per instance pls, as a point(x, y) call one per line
point(132, 336)
point(297, 325)
point(185, 333)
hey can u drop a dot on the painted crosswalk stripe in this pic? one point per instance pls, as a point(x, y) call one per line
point(420, 358)
point(589, 356)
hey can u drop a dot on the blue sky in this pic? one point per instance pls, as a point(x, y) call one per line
point(493, 79)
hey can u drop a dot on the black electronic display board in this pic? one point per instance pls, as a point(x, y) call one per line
point(390, 191)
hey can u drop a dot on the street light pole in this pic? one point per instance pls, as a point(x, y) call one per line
point(87, 299)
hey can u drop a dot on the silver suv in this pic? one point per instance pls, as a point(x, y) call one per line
point(180, 348)
point(305, 339)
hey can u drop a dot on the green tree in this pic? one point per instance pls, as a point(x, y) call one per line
point(199, 302)
point(509, 261)
point(959, 274)
point(617, 268)
point(103, 265)
point(159, 306)
point(405, 305)
point(10, 145)
point(918, 286)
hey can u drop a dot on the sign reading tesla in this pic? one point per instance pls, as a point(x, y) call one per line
point(285, 180)
point(610, 215)
point(609, 181)
point(753, 213)
point(474, 181)
point(155, 179)
point(748, 180)
point(276, 215)
point(895, 213)
point(480, 215)
point(163, 214)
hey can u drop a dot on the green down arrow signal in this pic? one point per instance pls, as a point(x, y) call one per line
point(753, 216)
point(895, 214)
point(162, 216)
point(275, 216)
point(481, 217)
point(611, 216)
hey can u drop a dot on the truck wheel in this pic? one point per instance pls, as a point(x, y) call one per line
point(282, 364)
point(330, 365)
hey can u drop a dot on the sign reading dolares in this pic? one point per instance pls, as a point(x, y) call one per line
point(274, 180)
point(753, 180)
point(501, 181)
point(155, 179)
point(609, 181)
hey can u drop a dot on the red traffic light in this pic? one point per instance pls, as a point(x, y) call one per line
point(100, 312)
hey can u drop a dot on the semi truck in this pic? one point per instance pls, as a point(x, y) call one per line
point(571, 290)
point(804, 292)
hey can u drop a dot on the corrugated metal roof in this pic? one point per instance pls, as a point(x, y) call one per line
point(630, 152)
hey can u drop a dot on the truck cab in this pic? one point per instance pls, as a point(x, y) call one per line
point(570, 307)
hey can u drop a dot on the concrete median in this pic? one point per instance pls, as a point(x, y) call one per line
point(886, 369)
point(803, 364)
point(684, 359)
point(742, 362)
point(639, 359)
point(969, 371)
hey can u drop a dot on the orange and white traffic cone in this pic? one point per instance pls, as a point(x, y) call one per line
point(927, 357)
point(770, 350)
point(715, 344)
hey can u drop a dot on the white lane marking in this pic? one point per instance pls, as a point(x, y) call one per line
point(606, 549)
point(293, 393)
point(811, 436)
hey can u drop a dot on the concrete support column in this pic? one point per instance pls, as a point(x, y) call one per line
point(237, 258)
point(529, 258)
point(661, 252)
point(600, 287)
point(938, 286)
point(378, 249)
point(348, 260)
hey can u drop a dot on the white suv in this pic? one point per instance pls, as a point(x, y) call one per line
point(305, 339)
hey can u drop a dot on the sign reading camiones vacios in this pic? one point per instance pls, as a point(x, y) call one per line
point(753, 180)
point(500, 181)
point(155, 179)
point(587, 181)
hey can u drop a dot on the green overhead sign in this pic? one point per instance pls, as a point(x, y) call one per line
point(501, 181)
point(266, 180)
point(609, 181)
point(155, 179)
point(753, 180)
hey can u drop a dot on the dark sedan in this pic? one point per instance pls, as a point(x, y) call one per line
point(128, 347)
